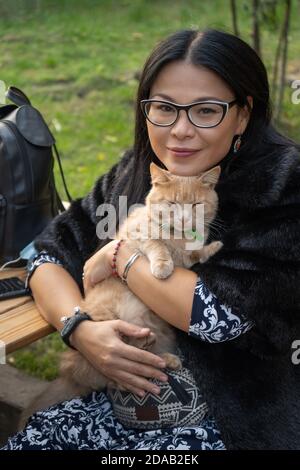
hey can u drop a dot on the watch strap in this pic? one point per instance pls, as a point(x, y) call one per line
point(71, 324)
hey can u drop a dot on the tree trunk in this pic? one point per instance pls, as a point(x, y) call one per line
point(286, 25)
point(234, 17)
point(256, 29)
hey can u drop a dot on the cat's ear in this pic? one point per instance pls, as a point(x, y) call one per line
point(211, 177)
point(159, 175)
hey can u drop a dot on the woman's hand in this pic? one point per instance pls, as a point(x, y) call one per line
point(99, 266)
point(101, 344)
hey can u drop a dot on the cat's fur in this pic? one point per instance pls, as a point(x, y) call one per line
point(111, 299)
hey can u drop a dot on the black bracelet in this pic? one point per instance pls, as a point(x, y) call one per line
point(71, 323)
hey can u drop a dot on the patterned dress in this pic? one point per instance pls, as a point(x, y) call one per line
point(89, 422)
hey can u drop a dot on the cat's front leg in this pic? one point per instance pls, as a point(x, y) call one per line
point(161, 263)
point(209, 250)
point(202, 255)
point(172, 361)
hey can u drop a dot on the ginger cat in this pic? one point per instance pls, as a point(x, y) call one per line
point(111, 299)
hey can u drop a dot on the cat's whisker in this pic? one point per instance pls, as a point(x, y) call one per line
point(214, 231)
point(218, 229)
point(219, 223)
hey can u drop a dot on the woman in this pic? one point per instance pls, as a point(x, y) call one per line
point(242, 360)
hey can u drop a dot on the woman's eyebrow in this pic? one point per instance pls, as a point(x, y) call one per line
point(202, 98)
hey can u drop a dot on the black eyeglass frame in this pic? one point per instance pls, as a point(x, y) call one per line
point(225, 105)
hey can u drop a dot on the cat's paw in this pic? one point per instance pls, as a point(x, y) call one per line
point(162, 269)
point(172, 361)
point(217, 246)
point(209, 250)
point(204, 257)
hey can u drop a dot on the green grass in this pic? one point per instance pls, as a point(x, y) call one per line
point(77, 61)
point(41, 358)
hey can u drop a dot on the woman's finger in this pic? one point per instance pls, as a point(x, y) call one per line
point(137, 369)
point(142, 356)
point(131, 388)
point(129, 329)
point(87, 283)
point(133, 353)
point(138, 383)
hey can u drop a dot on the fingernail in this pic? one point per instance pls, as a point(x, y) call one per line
point(155, 390)
point(141, 394)
point(163, 378)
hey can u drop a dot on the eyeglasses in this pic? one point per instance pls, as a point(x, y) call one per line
point(201, 114)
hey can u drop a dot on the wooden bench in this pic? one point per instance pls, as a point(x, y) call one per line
point(20, 320)
point(20, 325)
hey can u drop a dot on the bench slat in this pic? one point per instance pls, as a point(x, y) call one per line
point(20, 320)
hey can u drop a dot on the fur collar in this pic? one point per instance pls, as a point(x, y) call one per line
point(260, 182)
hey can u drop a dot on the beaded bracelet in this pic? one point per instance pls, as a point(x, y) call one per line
point(114, 266)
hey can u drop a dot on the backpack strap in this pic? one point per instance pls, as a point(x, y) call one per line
point(62, 174)
point(60, 205)
point(17, 96)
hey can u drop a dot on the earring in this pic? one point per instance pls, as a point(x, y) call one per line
point(237, 144)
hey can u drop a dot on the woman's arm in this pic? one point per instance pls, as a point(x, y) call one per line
point(56, 294)
point(214, 322)
point(180, 300)
point(170, 298)
point(183, 300)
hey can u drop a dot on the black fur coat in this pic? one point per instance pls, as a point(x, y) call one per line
point(250, 383)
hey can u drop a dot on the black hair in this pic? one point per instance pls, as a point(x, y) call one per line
point(241, 68)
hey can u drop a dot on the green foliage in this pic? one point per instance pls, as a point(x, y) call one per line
point(41, 358)
point(269, 13)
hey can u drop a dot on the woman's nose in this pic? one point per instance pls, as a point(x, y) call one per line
point(182, 127)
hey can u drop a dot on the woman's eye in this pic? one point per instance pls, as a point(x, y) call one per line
point(206, 111)
point(165, 108)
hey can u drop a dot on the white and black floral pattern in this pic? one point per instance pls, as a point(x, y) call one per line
point(212, 321)
point(37, 260)
point(90, 423)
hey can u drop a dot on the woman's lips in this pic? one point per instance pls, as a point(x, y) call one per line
point(183, 153)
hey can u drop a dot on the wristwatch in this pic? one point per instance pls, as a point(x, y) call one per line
point(71, 323)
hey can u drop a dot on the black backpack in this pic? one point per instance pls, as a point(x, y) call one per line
point(28, 196)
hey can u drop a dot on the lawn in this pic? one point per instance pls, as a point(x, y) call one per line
point(78, 62)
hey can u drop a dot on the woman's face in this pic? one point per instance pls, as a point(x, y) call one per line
point(185, 83)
